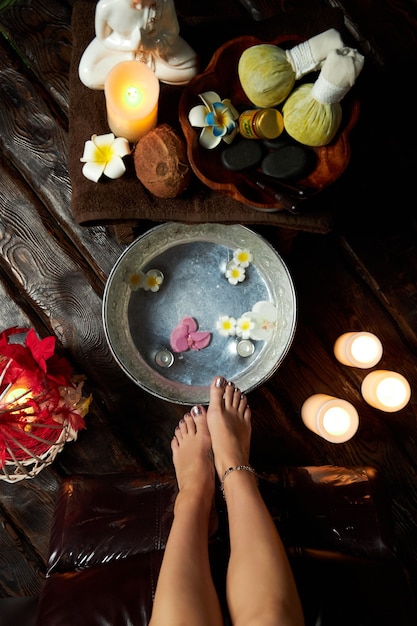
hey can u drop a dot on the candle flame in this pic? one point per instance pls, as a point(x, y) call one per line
point(336, 421)
point(365, 349)
point(392, 392)
point(134, 95)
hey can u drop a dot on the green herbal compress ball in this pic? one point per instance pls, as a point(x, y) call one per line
point(309, 121)
point(266, 75)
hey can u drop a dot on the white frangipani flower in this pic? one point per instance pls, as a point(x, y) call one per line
point(243, 257)
point(226, 325)
point(136, 280)
point(218, 119)
point(235, 273)
point(244, 326)
point(153, 280)
point(103, 155)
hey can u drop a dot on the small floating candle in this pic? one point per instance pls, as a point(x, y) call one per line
point(245, 348)
point(164, 358)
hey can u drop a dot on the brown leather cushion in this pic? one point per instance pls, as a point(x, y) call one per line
point(108, 518)
point(109, 535)
point(119, 593)
point(333, 508)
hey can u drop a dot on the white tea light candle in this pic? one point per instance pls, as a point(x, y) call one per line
point(132, 92)
point(245, 348)
point(358, 349)
point(334, 419)
point(385, 390)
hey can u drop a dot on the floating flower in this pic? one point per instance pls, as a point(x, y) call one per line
point(103, 155)
point(264, 317)
point(136, 280)
point(235, 274)
point(244, 326)
point(216, 117)
point(242, 257)
point(226, 325)
point(153, 280)
point(186, 335)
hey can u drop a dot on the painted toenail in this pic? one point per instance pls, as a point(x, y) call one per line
point(196, 410)
point(220, 382)
point(230, 383)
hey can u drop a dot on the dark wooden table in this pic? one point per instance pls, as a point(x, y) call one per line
point(363, 275)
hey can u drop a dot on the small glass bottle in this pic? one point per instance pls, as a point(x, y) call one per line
point(261, 124)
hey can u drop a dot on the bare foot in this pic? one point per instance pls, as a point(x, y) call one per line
point(193, 457)
point(229, 423)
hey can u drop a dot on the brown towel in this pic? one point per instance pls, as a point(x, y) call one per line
point(125, 200)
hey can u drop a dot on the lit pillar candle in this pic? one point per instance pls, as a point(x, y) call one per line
point(132, 91)
point(358, 349)
point(334, 419)
point(385, 390)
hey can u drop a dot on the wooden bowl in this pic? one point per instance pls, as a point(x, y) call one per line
point(221, 76)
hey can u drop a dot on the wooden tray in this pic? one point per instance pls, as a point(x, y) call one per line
point(221, 76)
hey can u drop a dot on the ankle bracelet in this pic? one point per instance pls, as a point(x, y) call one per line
point(246, 468)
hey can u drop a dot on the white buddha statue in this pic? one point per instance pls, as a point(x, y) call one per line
point(142, 30)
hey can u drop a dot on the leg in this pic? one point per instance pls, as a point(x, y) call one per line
point(185, 592)
point(260, 585)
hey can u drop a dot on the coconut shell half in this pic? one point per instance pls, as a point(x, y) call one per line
point(161, 162)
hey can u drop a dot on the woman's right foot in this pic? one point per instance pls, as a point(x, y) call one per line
point(229, 423)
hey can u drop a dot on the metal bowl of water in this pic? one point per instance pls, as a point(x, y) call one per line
point(192, 260)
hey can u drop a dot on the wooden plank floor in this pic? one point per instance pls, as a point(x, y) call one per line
point(361, 276)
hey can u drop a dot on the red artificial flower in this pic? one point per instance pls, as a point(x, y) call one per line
point(34, 360)
point(48, 398)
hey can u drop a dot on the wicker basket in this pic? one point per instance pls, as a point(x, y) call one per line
point(23, 463)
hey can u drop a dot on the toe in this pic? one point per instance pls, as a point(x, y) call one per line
point(237, 396)
point(181, 429)
point(190, 423)
point(242, 402)
point(247, 413)
point(229, 394)
point(174, 443)
point(199, 414)
point(217, 389)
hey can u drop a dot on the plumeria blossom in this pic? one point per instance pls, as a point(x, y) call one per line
point(264, 317)
point(103, 155)
point(244, 327)
point(226, 325)
point(186, 336)
point(235, 273)
point(153, 280)
point(136, 280)
point(217, 118)
point(242, 257)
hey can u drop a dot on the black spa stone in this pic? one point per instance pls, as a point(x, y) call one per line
point(279, 142)
point(242, 155)
point(287, 163)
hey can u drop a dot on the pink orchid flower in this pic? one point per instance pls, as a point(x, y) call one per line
point(185, 336)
